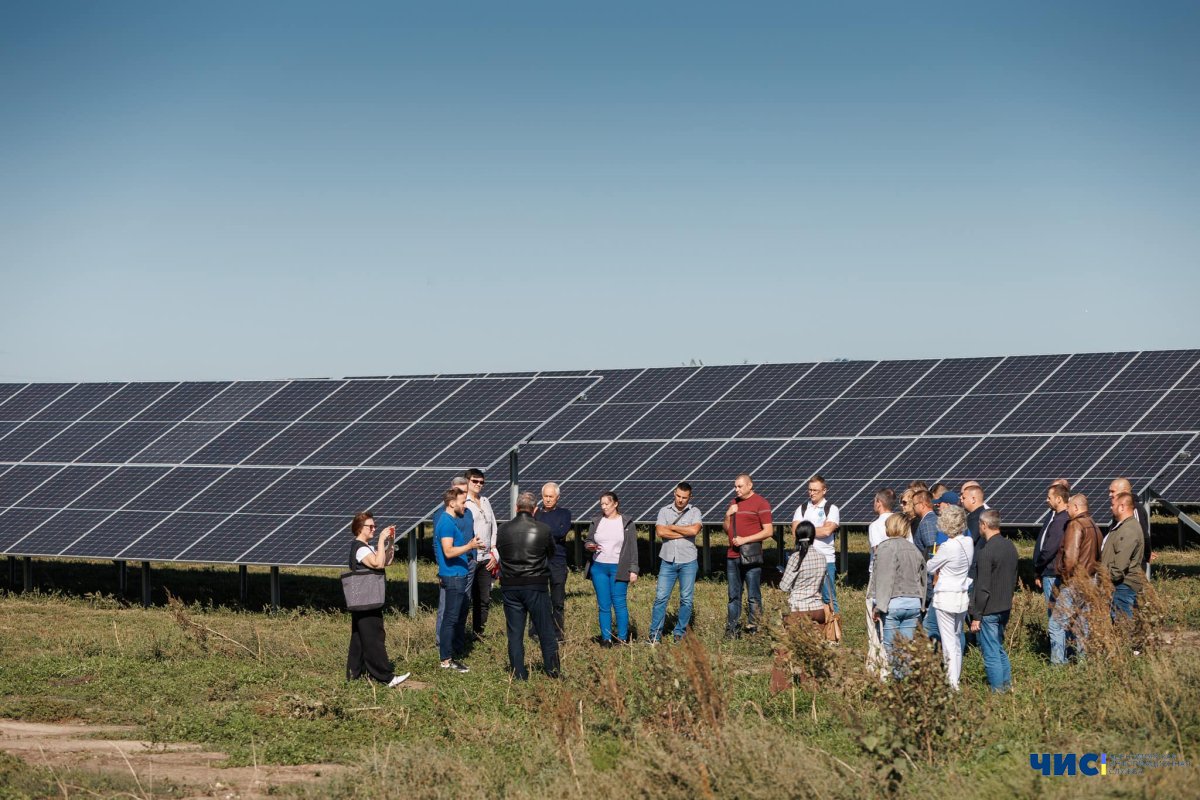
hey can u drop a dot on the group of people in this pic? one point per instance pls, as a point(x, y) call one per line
point(940, 560)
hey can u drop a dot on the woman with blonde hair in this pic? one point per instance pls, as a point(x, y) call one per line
point(897, 586)
point(949, 567)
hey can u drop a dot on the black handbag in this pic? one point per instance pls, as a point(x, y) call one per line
point(750, 554)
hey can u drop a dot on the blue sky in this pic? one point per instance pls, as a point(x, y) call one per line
point(267, 190)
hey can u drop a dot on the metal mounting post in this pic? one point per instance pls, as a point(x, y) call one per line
point(146, 584)
point(122, 577)
point(27, 574)
point(274, 589)
point(243, 584)
point(412, 570)
point(514, 480)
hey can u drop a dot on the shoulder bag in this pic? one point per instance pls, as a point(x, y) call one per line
point(364, 589)
point(750, 554)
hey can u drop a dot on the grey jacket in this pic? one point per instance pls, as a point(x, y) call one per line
point(628, 562)
point(899, 572)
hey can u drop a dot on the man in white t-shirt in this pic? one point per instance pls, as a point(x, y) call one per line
point(825, 517)
point(885, 504)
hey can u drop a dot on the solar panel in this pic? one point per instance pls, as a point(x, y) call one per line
point(1013, 423)
point(262, 472)
point(266, 472)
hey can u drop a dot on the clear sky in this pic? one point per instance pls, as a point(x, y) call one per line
point(265, 190)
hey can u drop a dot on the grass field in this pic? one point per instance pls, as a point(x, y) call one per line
point(668, 721)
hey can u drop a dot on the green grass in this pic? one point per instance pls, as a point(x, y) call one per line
point(626, 721)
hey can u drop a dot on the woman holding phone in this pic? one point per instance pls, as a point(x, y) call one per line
point(612, 543)
point(368, 652)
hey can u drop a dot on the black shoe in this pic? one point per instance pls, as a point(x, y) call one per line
point(606, 643)
point(457, 666)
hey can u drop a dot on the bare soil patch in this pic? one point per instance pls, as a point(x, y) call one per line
point(187, 765)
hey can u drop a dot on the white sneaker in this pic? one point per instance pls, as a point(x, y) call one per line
point(399, 679)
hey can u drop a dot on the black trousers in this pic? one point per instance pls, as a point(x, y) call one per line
point(368, 652)
point(480, 591)
point(533, 603)
point(558, 601)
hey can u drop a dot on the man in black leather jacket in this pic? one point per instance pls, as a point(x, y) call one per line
point(525, 547)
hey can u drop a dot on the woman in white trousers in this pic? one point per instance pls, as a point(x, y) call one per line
point(949, 566)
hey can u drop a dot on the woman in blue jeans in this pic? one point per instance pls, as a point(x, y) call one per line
point(897, 585)
point(612, 542)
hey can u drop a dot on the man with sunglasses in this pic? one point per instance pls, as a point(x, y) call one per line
point(479, 588)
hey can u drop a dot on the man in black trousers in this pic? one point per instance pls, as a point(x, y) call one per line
point(525, 547)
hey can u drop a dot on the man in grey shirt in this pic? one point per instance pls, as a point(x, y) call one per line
point(677, 526)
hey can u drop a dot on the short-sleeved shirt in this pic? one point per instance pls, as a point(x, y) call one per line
point(876, 535)
point(753, 513)
point(683, 550)
point(460, 529)
point(818, 515)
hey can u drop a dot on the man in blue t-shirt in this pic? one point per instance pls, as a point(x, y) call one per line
point(467, 522)
point(454, 546)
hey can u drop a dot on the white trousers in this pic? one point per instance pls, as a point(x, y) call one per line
point(876, 659)
point(949, 629)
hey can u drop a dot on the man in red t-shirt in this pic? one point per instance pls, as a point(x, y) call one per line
point(747, 520)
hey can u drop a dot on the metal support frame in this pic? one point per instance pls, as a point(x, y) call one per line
point(12, 573)
point(706, 554)
point(146, 598)
point(122, 577)
point(653, 559)
point(243, 584)
point(778, 536)
point(514, 478)
point(844, 552)
point(412, 569)
point(274, 589)
point(1184, 519)
point(27, 574)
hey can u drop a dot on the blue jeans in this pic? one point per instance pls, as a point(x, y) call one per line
point(991, 644)
point(829, 585)
point(1048, 584)
point(901, 620)
point(452, 634)
point(1066, 604)
point(669, 573)
point(1124, 600)
point(737, 575)
point(441, 609)
point(610, 598)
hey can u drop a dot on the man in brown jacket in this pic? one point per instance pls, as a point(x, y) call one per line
point(1078, 560)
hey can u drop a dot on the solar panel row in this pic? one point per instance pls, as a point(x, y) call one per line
point(254, 473)
point(265, 472)
point(1012, 423)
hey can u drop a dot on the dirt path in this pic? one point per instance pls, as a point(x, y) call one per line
point(70, 747)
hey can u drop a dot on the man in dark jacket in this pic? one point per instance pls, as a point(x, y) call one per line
point(525, 547)
point(991, 601)
point(1045, 549)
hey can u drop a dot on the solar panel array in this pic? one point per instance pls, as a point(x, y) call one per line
point(1012, 423)
point(266, 472)
point(257, 472)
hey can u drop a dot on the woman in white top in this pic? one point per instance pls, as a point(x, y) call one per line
point(367, 651)
point(949, 567)
point(612, 541)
